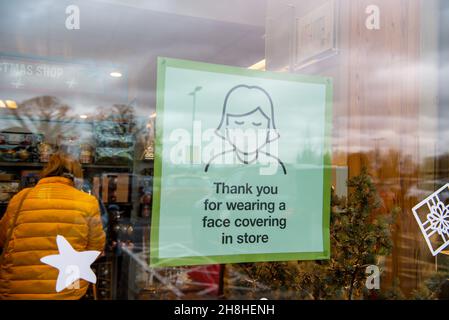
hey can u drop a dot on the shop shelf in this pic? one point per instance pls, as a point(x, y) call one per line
point(39, 165)
point(20, 164)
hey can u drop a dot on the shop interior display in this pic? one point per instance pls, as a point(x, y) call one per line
point(114, 142)
point(19, 146)
point(109, 170)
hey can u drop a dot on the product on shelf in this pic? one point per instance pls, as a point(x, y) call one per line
point(86, 154)
point(9, 186)
point(122, 187)
point(45, 151)
point(8, 189)
point(96, 186)
point(17, 146)
point(114, 187)
point(114, 143)
point(145, 193)
point(103, 268)
point(6, 176)
point(114, 156)
point(149, 152)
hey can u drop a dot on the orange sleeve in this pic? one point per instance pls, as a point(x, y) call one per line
point(4, 226)
point(7, 220)
point(97, 237)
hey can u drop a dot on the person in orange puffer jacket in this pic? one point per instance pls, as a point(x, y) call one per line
point(53, 207)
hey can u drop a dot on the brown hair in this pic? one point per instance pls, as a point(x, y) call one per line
point(60, 165)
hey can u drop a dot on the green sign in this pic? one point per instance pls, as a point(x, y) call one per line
point(242, 165)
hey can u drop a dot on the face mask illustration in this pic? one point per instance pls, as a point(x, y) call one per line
point(247, 124)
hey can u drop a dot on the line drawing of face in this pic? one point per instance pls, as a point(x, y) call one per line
point(247, 121)
point(248, 132)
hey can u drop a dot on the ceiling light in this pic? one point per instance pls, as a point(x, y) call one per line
point(2, 104)
point(11, 104)
point(258, 65)
point(83, 116)
point(115, 74)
